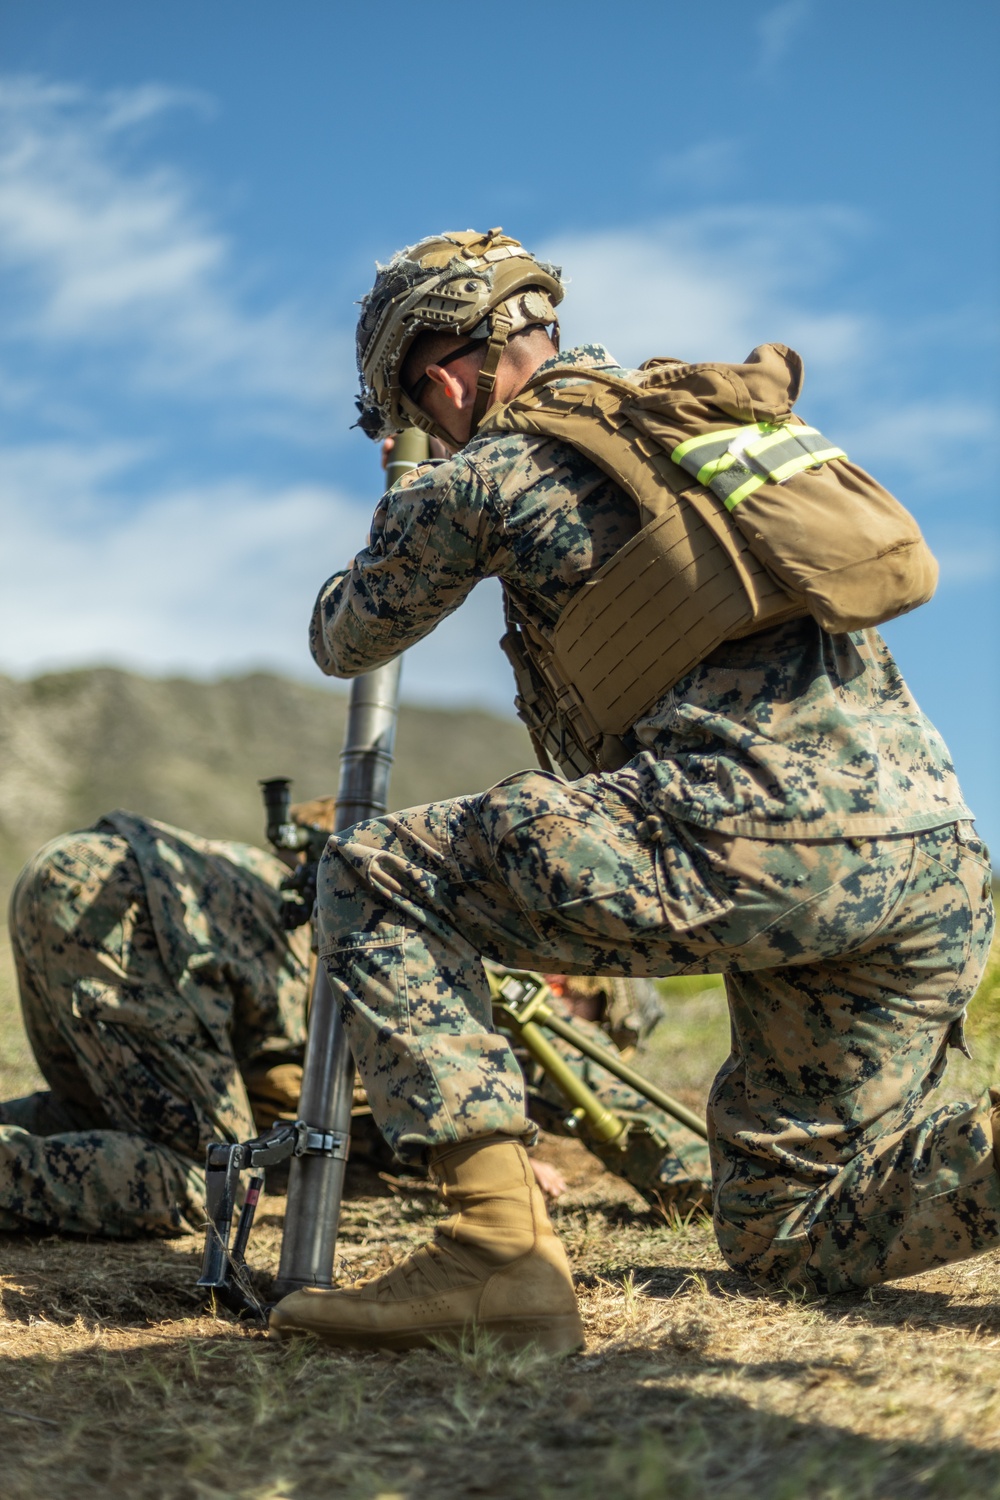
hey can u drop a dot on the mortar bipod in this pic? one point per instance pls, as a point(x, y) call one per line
point(224, 1272)
point(521, 1006)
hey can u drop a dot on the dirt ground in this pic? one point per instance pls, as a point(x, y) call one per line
point(114, 1382)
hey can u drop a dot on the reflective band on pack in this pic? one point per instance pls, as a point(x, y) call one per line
point(738, 460)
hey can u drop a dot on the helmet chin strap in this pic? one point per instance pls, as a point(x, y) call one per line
point(501, 327)
point(500, 331)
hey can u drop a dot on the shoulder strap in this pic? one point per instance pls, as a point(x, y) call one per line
point(592, 414)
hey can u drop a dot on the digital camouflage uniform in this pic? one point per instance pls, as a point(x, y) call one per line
point(789, 819)
point(161, 993)
point(154, 974)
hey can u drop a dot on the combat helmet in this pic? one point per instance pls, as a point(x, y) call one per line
point(483, 286)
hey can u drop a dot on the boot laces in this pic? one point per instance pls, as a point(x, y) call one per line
point(435, 1267)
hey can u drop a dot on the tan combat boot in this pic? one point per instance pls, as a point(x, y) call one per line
point(495, 1264)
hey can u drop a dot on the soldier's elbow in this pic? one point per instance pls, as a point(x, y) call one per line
point(339, 659)
point(333, 664)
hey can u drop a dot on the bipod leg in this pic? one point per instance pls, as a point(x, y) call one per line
point(621, 1070)
point(519, 1001)
point(224, 1272)
point(238, 1253)
point(512, 1011)
point(222, 1174)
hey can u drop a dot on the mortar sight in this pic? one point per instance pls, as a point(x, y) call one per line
point(281, 832)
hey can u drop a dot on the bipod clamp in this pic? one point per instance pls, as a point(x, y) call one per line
point(224, 1271)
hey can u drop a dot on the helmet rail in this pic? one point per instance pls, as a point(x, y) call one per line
point(477, 286)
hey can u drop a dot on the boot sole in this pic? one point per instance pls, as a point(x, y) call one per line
point(553, 1335)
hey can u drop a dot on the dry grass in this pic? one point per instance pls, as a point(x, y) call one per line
point(113, 1382)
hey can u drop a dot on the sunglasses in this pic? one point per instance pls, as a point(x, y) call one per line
point(420, 385)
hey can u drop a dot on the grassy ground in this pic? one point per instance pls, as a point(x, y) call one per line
point(113, 1382)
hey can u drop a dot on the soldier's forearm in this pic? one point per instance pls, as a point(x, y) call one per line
point(340, 643)
point(365, 618)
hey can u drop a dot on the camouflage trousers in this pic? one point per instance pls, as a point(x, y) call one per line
point(163, 1001)
point(848, 966)
point(138, 1083)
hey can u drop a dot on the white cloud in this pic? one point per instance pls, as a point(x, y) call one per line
point(704, 168)
point(942, 443)
point(107, 253)
point(977, 562)
point(101, 252)
point(776, 30)
point(200, 580)
point(710, 285)
point(126, 108)
point(195, 579)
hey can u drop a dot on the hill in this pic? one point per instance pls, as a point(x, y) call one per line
point(76, 744)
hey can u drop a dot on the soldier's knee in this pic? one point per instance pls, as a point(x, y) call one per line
point(760, 1253)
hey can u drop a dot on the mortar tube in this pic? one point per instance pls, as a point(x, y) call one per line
point(315, 1183)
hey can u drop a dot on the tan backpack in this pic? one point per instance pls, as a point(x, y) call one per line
point(749, 517)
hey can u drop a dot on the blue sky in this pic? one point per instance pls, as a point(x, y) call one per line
point(192, 196)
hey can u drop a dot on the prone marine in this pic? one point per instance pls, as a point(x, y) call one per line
point(164, 998)
point(692, 578)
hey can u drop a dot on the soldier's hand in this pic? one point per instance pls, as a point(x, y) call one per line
point(551, 1181)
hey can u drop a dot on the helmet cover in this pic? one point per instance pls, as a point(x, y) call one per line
point(476, 286)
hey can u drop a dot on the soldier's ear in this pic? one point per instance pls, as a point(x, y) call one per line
point(459, 391)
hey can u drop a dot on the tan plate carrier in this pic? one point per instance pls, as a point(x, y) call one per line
point(742, 528)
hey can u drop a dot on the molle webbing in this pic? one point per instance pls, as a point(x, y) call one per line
point(750, 518)
point(666, 600)
point(562, 732)
point(684, 584)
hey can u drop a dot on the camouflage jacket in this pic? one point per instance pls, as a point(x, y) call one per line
point(790, 733)
point(215, 909)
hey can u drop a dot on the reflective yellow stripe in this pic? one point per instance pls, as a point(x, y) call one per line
point(734, 461)
point(772, 439)
point(716, 466)
point(753, 483)
point(806, 461)
point(723, 435)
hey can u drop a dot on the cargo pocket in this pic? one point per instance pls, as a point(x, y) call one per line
point(688, 891)
point(858, 1035)
point(607, 869)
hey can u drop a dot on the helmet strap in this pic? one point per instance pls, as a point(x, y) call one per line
point(419, 418)
point(500, 329)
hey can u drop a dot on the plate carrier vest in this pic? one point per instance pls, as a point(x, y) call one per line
point(749, 518)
